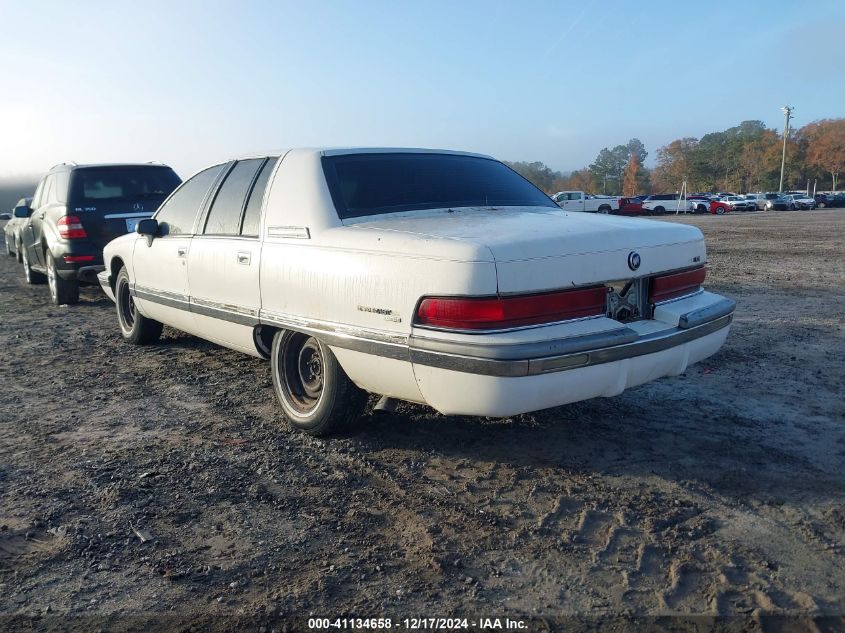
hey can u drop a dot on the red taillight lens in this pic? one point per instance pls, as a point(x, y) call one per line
point(70, 228)
point(466, 313)
point(673, 285)
point(73, 259)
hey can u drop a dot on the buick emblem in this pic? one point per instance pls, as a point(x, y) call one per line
point(634, 260)
point(138, 206)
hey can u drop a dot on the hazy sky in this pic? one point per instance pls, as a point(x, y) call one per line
point(189, 83)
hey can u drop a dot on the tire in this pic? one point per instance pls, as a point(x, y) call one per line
point(821, 205)
point(62, 291)
point(18, 254)
point(720, 210)
point(604, 209)
point(315, 393)
point(9, 251)
point(659, 210)
point(701, 208)
point(134, 326)
point(792, 207)
point(32, 277)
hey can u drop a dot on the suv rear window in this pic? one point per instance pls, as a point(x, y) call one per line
point(91, 185)
point(374, 184)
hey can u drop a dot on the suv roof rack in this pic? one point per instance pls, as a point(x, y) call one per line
point(70, 163)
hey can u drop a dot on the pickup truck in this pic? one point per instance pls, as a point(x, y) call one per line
point(580, 201)
point(430, 276)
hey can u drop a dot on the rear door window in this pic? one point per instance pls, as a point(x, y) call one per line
point(252, 215)
point(224, 216)
point(178, 214)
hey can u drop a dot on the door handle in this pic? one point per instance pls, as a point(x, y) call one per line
point(181, 251)
point(244, 258)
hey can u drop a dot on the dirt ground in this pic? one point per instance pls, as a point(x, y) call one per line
point(718, 492)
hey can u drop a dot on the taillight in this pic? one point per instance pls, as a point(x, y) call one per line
point(70, 228)
point(663, 287)
point(468, 313)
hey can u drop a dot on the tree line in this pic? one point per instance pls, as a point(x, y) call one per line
point(743, 158)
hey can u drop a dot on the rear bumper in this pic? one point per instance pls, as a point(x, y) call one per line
point(534, 358)
point(88, 274)
point(500, 381)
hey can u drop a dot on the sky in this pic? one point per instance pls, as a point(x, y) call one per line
point(190, 83)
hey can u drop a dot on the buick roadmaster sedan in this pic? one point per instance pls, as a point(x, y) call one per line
point(436, 277)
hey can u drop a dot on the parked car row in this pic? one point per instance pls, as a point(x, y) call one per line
point(429, 276)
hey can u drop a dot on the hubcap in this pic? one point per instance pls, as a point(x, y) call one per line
point(301, 371)
point(126, 304)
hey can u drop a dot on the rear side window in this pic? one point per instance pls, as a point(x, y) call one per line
point(252, 215)
point(177, 215)
point(375, 184)
point(224, 217)
point(93, 185)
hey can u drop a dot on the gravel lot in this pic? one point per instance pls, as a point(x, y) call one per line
point(718, 492)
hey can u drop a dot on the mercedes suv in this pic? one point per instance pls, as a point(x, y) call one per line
point(76, 210)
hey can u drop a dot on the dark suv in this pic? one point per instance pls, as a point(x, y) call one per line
point(76, 211)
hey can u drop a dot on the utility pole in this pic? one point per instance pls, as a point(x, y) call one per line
point(787, 110)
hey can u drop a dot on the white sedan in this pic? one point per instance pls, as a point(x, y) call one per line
point(429, 276)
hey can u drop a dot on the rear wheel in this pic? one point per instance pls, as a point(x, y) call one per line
point(604, 209)
point(821, 205)
point(134, 326)
point(659, 210)
point(720, 210)
point(32, 277)
point(62, 291)
point(316, 395)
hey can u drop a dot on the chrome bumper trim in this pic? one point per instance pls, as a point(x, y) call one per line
point(648, 344)
point(104, 280)
point(705, 315)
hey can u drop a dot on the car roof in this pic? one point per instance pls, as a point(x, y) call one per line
point(340, 151)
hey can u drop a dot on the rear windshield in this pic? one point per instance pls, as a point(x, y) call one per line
point(374, 184)
point(109, 184)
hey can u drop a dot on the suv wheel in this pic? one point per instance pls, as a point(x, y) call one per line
point(62, 291)
point(18, 254)
point(316, 395)
point(32, 277)
point(134, 326)
point(604, 209)
point(659, 210)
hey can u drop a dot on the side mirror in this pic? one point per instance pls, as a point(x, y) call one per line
point(147, 226)
point(5, 216)
point(22, 212)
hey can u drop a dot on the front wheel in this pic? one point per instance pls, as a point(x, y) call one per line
point(821, 205)
point(316, 395)
point(720, 210)
point(134, 326)
point(659, 210)
point(61, 291)
point(604, 209)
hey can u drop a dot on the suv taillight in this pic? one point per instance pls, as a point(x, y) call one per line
point(471, 313)
point(672, 285)
point(70, 228)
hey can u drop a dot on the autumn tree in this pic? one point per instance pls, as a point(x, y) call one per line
point(826, 147)
point(632, 178)
point(675, 163)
